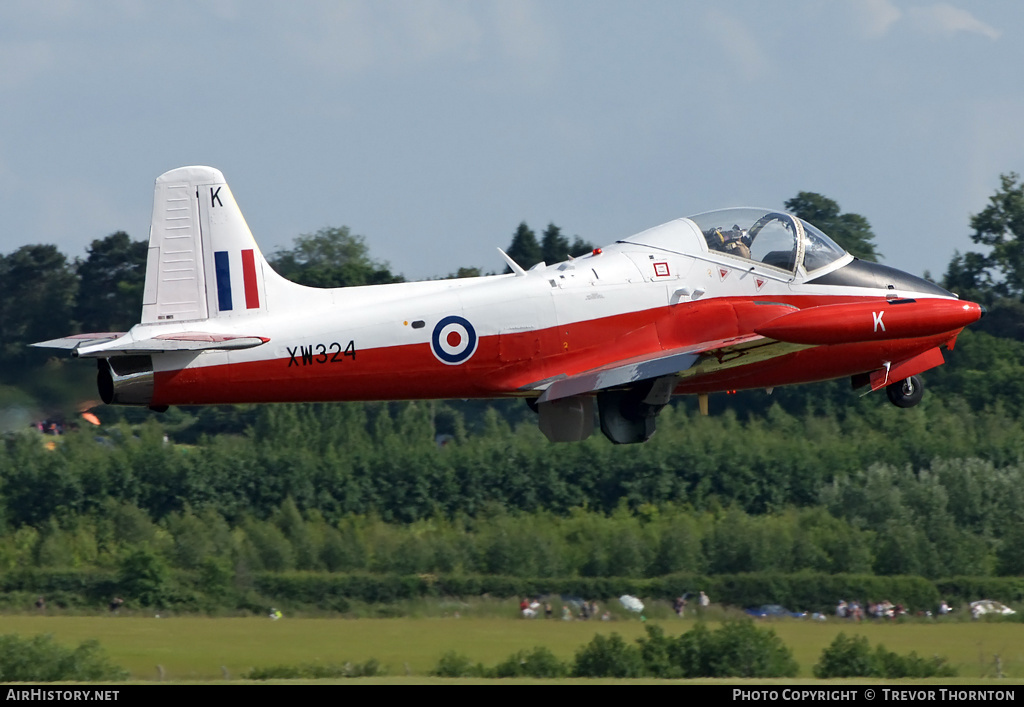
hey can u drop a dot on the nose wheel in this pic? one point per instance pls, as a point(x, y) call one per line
point(905, 393)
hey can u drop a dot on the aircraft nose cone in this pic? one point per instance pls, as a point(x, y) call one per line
point(974, 311)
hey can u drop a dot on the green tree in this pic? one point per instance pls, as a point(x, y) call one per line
point(554, 246)
point(853, 657)
point(192, 544)
point(111, 281)
point(845, 658)
point(693, 651)
point(291, 523)
point(53, 549)
point(144, 576)
point(1000, 227)
point(967, 276)
point(608, 657)
point(331, 257)
point(129, 524)
point(741, 649)
point(215, 577)
point(996, 278)
point(37, 295)
point(663, 656)
point(580, 247)
point(457, 665)
point(538, 663)
point(42, 659)
point(38, 485)
point(268, 548)
point(1009, 557)
point(525, 249)
point(851, 231)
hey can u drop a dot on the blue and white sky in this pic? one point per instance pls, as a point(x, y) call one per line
point(433, 127)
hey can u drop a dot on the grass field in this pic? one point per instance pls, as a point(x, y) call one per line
point(196, 648)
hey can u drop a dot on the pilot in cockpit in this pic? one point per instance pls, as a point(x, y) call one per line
point(734, 241)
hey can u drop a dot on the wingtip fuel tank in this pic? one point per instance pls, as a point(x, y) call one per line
point(878, 320)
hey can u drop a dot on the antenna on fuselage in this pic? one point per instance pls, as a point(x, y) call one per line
point(512, 264)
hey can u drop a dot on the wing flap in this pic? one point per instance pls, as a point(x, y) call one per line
point(656, 364)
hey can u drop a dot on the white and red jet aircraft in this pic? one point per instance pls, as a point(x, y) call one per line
point(724, 300)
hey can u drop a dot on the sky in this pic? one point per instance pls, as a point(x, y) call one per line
point(434, 127)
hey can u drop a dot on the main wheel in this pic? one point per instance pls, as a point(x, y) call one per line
point(906, 393)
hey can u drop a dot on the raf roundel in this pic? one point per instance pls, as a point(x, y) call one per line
point(454, 340)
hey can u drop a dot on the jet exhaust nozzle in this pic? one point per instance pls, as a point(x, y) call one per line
point(125, 380)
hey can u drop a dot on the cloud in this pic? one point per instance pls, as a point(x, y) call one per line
point(942, 18)
point(433, 28)
point(523, 34)
point(510, 44)
point(46, 41)
point(876, 17)
point(740, 46)
point(347, 38)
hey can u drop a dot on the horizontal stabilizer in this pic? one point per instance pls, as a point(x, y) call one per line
point(76, 340)
point(104, 345)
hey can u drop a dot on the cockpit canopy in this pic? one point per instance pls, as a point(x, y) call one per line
point(773, 238)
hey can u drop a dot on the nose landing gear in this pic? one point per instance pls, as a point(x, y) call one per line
point(905, 393)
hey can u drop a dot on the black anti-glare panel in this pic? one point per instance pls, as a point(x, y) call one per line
point(861, 273)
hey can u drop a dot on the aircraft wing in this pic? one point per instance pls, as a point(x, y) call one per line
point(687, 361)
point(114, 344)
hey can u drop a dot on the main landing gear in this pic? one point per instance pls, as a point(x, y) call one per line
point(627, 414)
point(905, 393)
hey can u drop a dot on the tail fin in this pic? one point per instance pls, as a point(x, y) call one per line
point(203, 261)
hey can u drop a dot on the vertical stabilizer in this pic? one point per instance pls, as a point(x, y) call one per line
point(203, 261)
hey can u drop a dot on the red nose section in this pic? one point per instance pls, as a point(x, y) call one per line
point(871, 321)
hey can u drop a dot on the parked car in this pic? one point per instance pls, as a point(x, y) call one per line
point(987, 606)
point(775, 611)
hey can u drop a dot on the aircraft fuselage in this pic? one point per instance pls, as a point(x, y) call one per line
point(726, 300)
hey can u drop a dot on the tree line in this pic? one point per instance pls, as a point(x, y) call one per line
point(934, 491)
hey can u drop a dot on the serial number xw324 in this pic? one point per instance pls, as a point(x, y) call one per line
point(315, 354)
